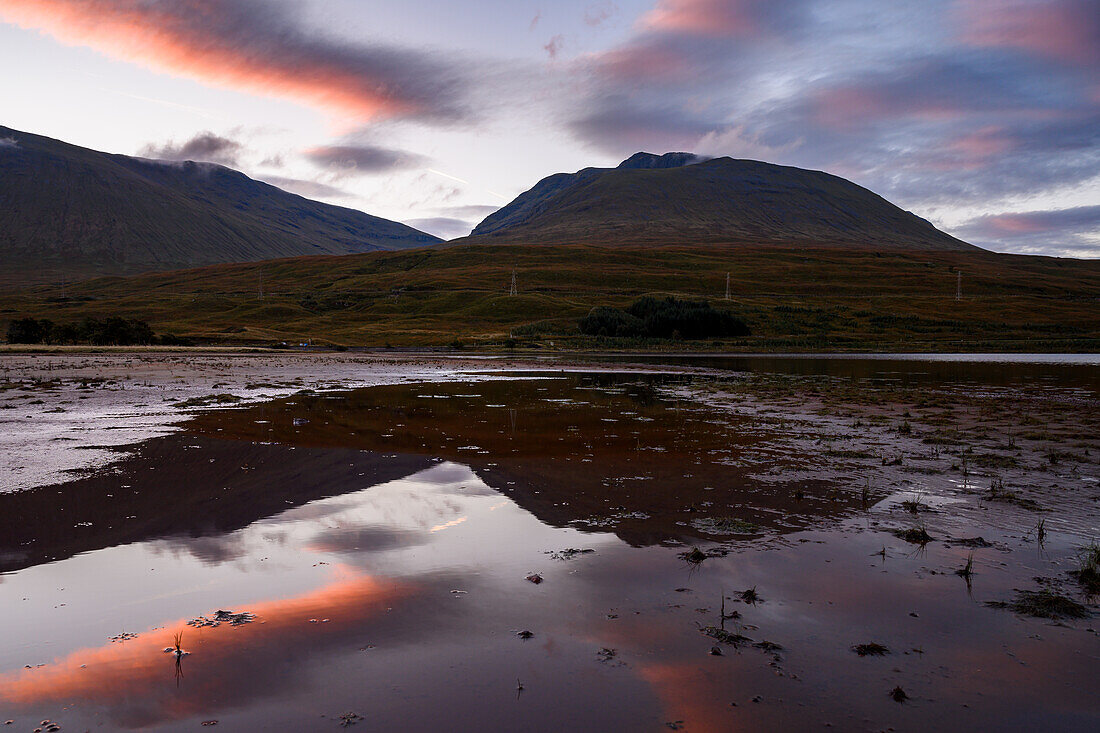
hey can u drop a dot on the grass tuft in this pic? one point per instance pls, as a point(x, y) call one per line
point(1043, 604)
point(871, 649)
point(1088, 568)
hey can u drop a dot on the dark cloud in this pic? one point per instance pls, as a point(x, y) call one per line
point(262, 46)
point(206, 147)
point(8, 142)
point(309, 189)
point(361, 159)
point(443, 226)
point(1074, 232)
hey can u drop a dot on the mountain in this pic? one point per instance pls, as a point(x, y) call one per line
point(66, 211)
point(683, 199)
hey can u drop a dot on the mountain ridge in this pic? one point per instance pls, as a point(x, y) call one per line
point(71, 211)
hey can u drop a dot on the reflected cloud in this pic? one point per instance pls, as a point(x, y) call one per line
point(135, 678)
point(372, 538)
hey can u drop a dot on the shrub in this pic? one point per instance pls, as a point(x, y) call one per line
point(29, 331)
point(110, 331)
point(604, 321)
point(663, 318)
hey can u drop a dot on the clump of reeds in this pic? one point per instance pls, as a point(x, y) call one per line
point(967, 570)
point(917, 535)
point(871, 649)
point(1043, 604)
point(1088, 568)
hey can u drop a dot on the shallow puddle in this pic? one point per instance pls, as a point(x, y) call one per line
point(545, 552)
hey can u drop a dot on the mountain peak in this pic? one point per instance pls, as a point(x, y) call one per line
point(668, 160)
point(681, 199)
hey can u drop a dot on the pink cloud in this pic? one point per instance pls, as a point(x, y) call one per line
point(553, 46)
point(644, 62)
point(704, 17)
point(1014, 224)
point(1063, 30)
point(988, 142)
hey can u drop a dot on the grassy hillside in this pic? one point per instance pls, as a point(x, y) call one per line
point(67, 212)
point(792, 299)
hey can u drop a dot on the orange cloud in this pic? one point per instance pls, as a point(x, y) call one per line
point(245, 45)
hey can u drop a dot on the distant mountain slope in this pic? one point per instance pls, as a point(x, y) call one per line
point(678, 198)
point(69, 210)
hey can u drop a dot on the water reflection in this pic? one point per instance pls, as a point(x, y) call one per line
point(383, 538)
point(603, 452)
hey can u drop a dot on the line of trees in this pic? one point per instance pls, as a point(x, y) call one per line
point(110, 331)
point(668, 318)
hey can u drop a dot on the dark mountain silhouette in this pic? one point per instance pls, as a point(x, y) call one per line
point(67, 210)
point(680, 198)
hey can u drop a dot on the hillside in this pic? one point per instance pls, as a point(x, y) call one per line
point(681, 199)
point(69, 212)
point(793, 299)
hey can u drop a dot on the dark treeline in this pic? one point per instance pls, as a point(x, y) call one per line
point(668, 318)
point(110, 331)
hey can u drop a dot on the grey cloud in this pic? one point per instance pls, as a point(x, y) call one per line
point(443, 226)
point(473, 211)
point(205, 147)
point(620, 125)
point(309, 189)
point(361, 159)
point(1073, 232)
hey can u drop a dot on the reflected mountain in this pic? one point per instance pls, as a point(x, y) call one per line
point(602, 452)
point(598, 452)
point(182, 485)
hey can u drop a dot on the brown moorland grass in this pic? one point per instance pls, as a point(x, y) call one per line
point(793, 299)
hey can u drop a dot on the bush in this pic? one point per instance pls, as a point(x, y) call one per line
point(170, 339)
point(663, 318)
point(29, 331)
point(604, 321)
point(110, 331)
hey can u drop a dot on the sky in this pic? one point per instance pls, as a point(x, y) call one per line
point(982, 116)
